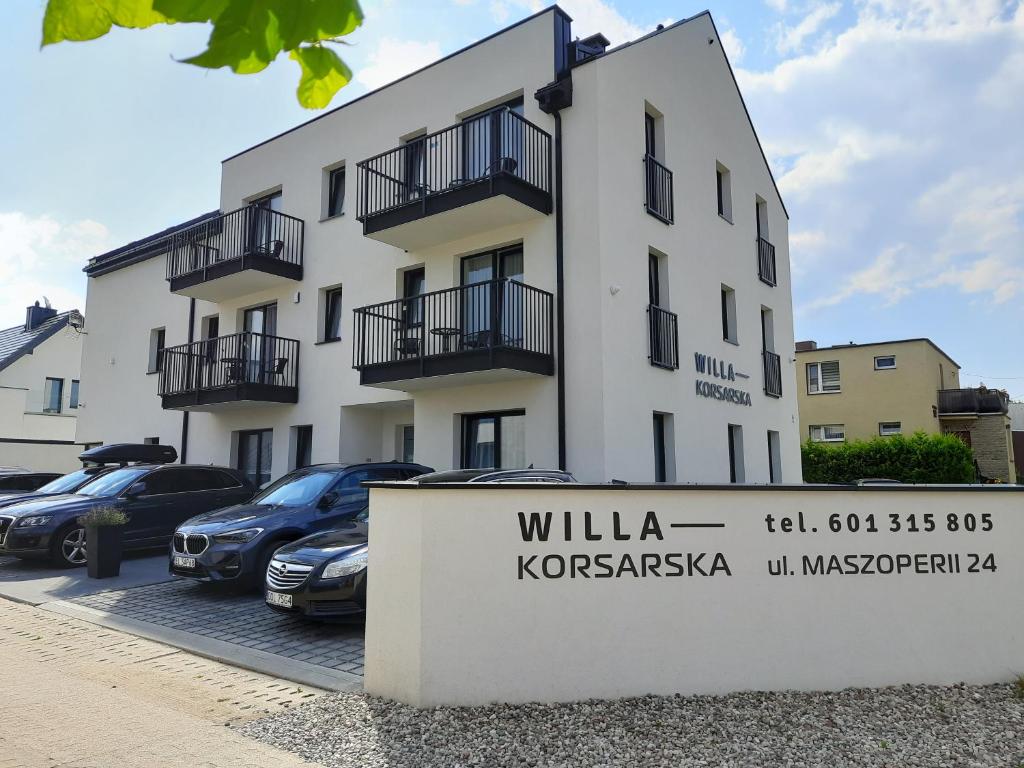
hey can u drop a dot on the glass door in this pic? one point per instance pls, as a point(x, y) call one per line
point(255, 454)
point(478, 275)
point(493, 142)
point(415, 170)
point(265, 229)
point(260, 324)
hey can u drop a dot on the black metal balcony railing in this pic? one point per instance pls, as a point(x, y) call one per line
point(663, 327)
point(227, 362)
point(766, 261)
point(479, 318)
point(772, 365)
point(658, 190)
point(252, 232)
point(972, 400)
point(499, 143)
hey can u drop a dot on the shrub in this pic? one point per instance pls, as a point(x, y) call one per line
point(103, 516)
point(919, 458)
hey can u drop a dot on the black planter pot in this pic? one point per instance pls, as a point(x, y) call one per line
point(103, 550)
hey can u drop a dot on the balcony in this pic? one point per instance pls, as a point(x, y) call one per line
point(238, 253)
point(658, 190)
point(766, 261)
point(485, 172)
point(492, 331)
point(771, 364)
point(964, 402)
point(663, 332)
point(227, 371)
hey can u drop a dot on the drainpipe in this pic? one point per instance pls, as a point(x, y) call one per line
point(183, 454)
point(559, 292)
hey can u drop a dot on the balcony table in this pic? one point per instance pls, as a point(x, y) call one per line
point(446, 334)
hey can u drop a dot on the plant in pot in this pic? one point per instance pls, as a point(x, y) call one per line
point(104, 528)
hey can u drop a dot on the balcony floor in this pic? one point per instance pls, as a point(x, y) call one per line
point(457, 369)
point(458, 213)
point(235, 277)
point(223, 398)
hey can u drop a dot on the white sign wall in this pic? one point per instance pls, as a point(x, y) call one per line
point(480, 595)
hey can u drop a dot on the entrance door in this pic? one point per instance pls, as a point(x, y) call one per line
point(478, 272)
point(261, 325)
point(255, 454)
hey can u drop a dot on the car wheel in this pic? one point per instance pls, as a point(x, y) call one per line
point(68, 549)
point(260, 577)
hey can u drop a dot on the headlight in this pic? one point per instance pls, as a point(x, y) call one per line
point(238, 537)
point(27, 522)
point(345, 566)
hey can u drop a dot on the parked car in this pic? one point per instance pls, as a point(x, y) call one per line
point(25, 482)
point(236, 544)
point(156, 497)
point(323, 576)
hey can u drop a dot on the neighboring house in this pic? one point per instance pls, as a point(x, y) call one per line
point(40, 363)
point(1017, 437)
point(860, 391)
point(400, 278)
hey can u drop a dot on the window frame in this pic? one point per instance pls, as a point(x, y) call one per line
point(730, 322)
point(883, 433)
point(821, 383)
point(325, 331)
point(303, 445)
point(885, 367)
point(74, 394)
point(331, 174)
point(60, 395)
point(723, 192)
point(823, 438)
point(498, 417)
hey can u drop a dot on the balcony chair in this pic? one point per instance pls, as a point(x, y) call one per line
point(275, 369)
point(271, 249)
point(501, 165)
point(407, 346)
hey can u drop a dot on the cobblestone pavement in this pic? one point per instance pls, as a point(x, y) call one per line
point(240, 619)
point(80, 696)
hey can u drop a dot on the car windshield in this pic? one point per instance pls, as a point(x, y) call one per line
point(67, 483)
point(112, 483)
point(296, 490)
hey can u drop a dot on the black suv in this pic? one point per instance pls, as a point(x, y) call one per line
point(323, 576)
point(236, 544)
point(156, 498)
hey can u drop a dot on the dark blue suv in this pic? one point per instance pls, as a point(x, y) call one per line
point(237, 543)
point(156, 499)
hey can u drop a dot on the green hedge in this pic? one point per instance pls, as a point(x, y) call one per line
point(919, 458)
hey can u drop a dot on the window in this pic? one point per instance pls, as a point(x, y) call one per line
point(736, 471)
point(886, 428)
point(494, 440)
point(823, 377)
point(885, 362)
point(151, 441)
point(302, 439)
point(414, 284)
point(774, 457)
point(211, 330)
point(723, 186)
point(659, 448)
point(729, 314)
point(53, 395)
point(761, 218)
point(157, 337)
point(255, 454)
point(73, 397)
point(332, 314)
point(335, 192)
point(828, 433)
point(408, 437)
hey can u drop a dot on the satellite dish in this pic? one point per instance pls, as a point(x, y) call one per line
point(46, 302)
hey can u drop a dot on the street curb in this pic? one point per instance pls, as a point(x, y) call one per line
point(218, 650)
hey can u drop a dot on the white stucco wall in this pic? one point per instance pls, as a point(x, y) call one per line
point(454, 619)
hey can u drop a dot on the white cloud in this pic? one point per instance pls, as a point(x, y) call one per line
point(791, 38)
point(591, 16)
point(500, 11)
point(888, 276)
point(44, 257)
point(393, 58)
point(732, 45)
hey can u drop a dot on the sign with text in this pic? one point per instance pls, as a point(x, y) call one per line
point(555, 594)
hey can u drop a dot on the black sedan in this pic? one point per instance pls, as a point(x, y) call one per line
point(68, 483)
point(24, 482)
point(323, 576)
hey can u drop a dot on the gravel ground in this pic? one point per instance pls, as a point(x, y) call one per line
point(905, 727)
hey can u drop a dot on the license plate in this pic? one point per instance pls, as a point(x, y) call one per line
point(184, 562)
point(276, 598)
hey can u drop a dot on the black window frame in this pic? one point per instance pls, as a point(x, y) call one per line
point(720, 189)
point(333, 190)
point(660, 450)
point(246, 433)
point(158, 350)
point(498, 416)
point(332, 316)
point(408, 442)
point(412, 310)
point(60, 395)
point(74, 394)
point(303, 446)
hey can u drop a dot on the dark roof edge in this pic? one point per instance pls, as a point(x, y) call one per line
point(772, 488)
point(881, 344)
point(551, 8)
point(732, 74)
point(139, 250)
point(36, 340)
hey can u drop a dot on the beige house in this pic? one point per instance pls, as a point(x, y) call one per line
point(860, 391)
point(40, 362)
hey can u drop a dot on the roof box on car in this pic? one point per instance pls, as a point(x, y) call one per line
point(125, 453)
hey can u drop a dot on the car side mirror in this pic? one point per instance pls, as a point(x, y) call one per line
point(328, 500)
point(136, 490)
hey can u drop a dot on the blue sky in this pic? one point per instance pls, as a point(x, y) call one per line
point(892, 127)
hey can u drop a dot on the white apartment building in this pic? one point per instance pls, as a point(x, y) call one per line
point(536, 250)
point(40, 362)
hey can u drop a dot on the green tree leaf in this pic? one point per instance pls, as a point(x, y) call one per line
point(90, 19)
point(190, 10)
point(323, 75)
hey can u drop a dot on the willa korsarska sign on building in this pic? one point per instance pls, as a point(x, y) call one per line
point(570, 592)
